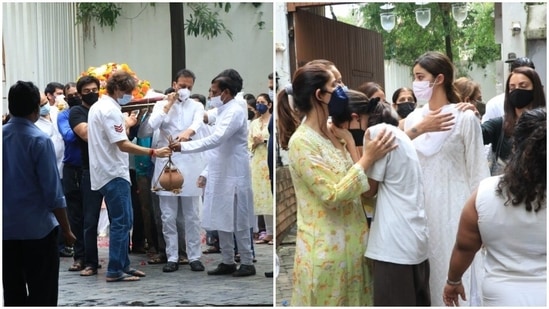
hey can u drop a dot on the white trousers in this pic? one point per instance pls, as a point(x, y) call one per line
point(268, 224)
point(169, 206)
point(243, 241)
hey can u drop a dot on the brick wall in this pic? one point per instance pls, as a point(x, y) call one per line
point(286, 207)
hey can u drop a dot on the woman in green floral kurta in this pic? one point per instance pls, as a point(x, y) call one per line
point(329, 268)
point(258, 135)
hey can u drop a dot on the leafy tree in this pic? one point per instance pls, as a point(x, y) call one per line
point(473, 43)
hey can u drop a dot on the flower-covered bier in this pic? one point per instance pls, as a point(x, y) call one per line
point(104, 71)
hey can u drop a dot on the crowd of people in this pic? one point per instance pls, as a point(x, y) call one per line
point(70, 150)
point(400, 205)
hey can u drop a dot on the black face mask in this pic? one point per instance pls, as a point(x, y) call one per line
point(358, 136)
point(404, 109)
point(74, 101)
point(90, 98)
point(520, 98)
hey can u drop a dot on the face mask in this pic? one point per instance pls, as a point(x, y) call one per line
point(404, 109)
point(184, 94)
point(261, 108)
point(345, 88)
point(423, 90)
point(271, 93)
point(520, 98)
point(74, 101)
point(45, 109)
point(125, 99)
point(90, 98)
point(358, 136)
point(338, 107)
point(216, 102)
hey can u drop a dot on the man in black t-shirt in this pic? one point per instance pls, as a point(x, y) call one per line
point(88, 88)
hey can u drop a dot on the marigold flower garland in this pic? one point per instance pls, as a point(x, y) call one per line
point(104, 71)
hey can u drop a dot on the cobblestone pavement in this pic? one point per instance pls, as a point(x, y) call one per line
point(285, 254)
point(181, 288)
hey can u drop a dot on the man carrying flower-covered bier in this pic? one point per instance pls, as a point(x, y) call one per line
point(109, 167)
point(228, 198)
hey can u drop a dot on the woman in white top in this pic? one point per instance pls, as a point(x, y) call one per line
point(452, 162)
point(508, 216)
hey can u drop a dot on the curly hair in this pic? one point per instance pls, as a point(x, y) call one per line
point(524, 179)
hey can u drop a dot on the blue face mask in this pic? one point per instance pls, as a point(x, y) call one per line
point(125, 99)
point(338, 107)
point(261, 108)
point(45, 109)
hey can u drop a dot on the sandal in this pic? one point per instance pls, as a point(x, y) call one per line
point(211, 250)
point(264, 241)
point(88, 271)
point(123, 278)
point(77, 265)
point(183, 261)
point(158, 259)
point(134, 272)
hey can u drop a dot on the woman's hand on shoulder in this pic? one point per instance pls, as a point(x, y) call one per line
point(377, 148)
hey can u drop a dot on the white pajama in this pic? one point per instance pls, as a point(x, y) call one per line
point(169, 206)
point(243, 241)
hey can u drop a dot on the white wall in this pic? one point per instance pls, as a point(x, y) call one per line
point(144, 44)
point(41, 44)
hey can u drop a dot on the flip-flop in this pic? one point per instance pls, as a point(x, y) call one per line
point(211, 250)
point(263, 241)
point(157, 260)
point(135, 272)
point(88, 271)
point(123, 278)
point(78, 265)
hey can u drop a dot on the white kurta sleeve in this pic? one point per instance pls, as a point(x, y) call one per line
point(157, 116)
point(226, 126)
point(198, 117)
point(475, 162)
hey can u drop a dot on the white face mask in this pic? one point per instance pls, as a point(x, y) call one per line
point(184, 94)
point(423, 90)
point(216, 102)
point(125, 99)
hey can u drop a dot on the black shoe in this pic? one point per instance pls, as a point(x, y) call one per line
point(244, 270)
point(170, 267)
point(197, 266)
point(65, 252)
point(269, 274)
point(223, 269)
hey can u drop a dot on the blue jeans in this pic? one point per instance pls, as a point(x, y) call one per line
point(91, 207)
point(117, 195)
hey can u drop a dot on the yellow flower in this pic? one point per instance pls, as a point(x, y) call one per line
point(103, 72)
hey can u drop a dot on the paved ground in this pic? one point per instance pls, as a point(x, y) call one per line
point(181, 288)
point(285, 254)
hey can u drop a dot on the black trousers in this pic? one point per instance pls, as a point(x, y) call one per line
point(401, 285)
point(34, 265)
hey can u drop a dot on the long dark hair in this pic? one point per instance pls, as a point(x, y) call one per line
point(377, 111)
point(438, 63)
point(524, 178)
point(307, 79)
point(510, 116)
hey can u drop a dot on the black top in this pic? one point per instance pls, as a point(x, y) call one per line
point(491, 131)
point(79, 114)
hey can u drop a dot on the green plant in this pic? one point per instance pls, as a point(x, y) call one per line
point(204, 21)
point(105, 13)
point(473, 43)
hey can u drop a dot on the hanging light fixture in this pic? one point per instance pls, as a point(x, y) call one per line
point(388, 19)
point(459, 12)
point(423, 15)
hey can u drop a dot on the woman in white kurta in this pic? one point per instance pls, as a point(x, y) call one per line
point(179, 119)
point(453, 165)
point(228, 199)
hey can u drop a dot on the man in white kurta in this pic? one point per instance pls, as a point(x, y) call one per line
point(180, 118)
point(228, 199)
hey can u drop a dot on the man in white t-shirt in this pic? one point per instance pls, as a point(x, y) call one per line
point(109, 169)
